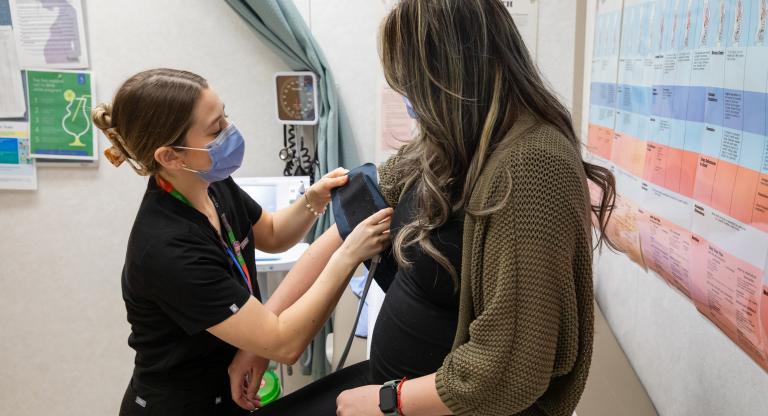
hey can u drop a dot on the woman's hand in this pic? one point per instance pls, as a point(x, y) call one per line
point(369, 238)
point(319, 194)
point(362, 401)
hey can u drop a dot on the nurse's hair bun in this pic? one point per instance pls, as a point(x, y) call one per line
point(102, 118)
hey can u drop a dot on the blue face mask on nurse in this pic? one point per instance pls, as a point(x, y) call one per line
point(226, 153)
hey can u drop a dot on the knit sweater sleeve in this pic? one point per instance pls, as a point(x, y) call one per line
point(390, 184)
point(526, 261)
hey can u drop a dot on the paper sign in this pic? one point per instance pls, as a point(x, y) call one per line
point(60, 115)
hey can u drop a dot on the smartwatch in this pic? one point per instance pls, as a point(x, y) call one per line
point(388, 398)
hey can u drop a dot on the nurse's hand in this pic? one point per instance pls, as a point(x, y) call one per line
point(369, 238)
point(245, 373)
point(319, 194)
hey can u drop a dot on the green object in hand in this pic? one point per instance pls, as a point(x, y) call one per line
point(270, 388)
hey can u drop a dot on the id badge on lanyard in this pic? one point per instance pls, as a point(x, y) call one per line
point(234, 249)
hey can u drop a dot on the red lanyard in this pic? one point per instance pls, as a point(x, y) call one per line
point(237, 256)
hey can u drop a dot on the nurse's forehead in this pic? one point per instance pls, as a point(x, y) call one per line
point(208, 107)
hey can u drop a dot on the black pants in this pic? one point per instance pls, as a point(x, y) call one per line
point(319, 398)
point(141, 400)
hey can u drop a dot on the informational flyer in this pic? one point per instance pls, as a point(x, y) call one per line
point(679, 114)
point(50, 33)
point(12, 103)
point(525, 14)
point(396, 126)
point(17, 168)
point(60, 115)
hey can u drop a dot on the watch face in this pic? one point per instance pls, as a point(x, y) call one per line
point(388, 399)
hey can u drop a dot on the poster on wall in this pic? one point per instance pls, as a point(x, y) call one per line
point(49, 33)
point(59, 115)
point(525, 14)
point(678, 112)
point(17, 168)
point(12, 103)
point(396, 126)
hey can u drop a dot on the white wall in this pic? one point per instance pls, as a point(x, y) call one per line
point(63, 342)
point(687, 365)
point(555, 54)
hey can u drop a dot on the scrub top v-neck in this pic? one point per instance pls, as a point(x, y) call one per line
point(178, 280)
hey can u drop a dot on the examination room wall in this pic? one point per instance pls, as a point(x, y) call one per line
point(63, 343)
point(687, 365)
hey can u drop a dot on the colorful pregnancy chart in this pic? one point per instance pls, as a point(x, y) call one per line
point(678, 106)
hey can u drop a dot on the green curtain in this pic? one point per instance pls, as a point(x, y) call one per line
point(282, 28)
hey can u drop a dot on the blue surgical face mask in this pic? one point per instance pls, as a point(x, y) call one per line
point(226, 153)
point(409, 107)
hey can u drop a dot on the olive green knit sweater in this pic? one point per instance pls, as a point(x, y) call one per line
point(524, 339)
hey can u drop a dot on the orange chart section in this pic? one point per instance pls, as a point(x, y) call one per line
point(760, 209)
point(600, 141)
point(722, 188)
point(655, 163)
point(629, 153)
point(671, 168)
point(705, 179)
point(743, 196)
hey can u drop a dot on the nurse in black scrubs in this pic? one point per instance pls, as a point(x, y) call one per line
point(197, 323)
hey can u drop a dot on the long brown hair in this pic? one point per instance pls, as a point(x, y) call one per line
point(150, 110)
point(465, 69)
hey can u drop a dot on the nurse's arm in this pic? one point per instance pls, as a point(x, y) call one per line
point(279, 231)
point(305, 271)
point(283, 338)
point(296, 283)
point(274, 233)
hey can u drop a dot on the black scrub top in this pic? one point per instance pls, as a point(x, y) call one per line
point(178, 281)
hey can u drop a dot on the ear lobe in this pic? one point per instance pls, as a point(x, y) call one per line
point(168, 158)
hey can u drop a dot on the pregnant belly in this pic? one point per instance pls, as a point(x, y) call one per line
point(411, 337)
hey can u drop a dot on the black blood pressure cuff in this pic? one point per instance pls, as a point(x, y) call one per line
point(353, 203)
point(357, 200)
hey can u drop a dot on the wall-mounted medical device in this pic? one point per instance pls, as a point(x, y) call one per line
point(296, 97)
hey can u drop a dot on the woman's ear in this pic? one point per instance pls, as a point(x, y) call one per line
point(168, 158)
